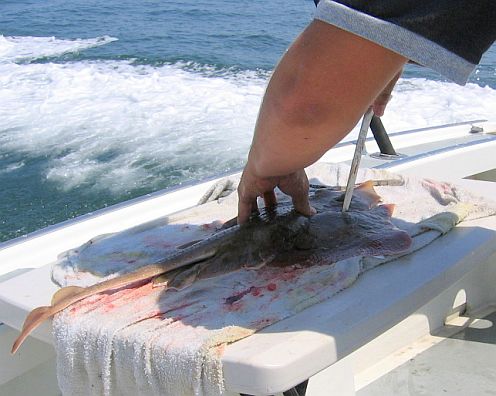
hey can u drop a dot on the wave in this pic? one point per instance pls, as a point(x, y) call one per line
point(419, 103)
point(28, 48)
point(118, 126)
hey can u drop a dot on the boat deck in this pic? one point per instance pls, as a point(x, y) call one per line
point(462, 363)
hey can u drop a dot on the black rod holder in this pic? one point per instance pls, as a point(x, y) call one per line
point(381, 136)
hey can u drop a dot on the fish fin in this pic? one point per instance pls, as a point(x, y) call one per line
point(165, 278)
point(230, 223)
point(161, 280)
point(33, 320)
point(389, 208)
point(182, 279)
point(367, 193)
point(366, 185)
point(66, 292)
point(395, 242)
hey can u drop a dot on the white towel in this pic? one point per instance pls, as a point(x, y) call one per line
point(145, 341)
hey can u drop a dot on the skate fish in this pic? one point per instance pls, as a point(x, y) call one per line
point(279, 237)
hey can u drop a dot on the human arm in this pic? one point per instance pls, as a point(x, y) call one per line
point(319, 90)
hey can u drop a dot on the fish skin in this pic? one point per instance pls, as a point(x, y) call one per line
point(324, 238)
point(67, 296)
point(276, 237)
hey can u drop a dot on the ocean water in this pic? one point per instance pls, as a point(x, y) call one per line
point(101, 102)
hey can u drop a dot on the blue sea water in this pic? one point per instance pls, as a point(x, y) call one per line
point(105, 101)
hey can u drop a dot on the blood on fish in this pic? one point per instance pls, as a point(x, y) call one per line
point(219, 350)
point(289, 273)
point(108, 301)
point(271, 287)
point(238, 296)
point(86, 304)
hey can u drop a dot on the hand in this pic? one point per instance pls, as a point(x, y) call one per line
point(381, 101)
point(252, 186)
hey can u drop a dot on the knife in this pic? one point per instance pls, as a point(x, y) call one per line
point(360, 144)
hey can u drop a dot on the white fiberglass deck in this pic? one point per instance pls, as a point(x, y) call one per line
point(460, 359)
point(386, 309)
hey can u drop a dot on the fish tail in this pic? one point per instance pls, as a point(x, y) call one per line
point(33, 320)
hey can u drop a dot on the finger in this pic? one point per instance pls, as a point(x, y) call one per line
point(270, 199)
point(379, 110)
point(380, 103)
point(245, 210)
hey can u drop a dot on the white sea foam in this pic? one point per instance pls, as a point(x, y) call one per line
point(12, 167)
point(27, 48)
point(122, 126)
point(114, 125)
point(419, 103)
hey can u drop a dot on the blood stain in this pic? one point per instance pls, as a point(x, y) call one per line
point(238, 296)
